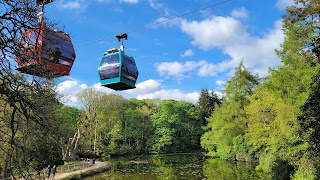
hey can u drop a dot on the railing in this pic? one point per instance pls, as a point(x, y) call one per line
point(60, 169)
point(73, 167)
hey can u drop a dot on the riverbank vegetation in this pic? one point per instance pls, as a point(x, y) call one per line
point(275, 122)
point(272, 120)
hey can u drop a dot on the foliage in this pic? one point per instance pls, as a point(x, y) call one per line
point(207, 103)
point(176, 127)
point(89, 98)
point(310, 127)
point(229, 120)
point(306, 14)
point(29, 128)
point(87, 154)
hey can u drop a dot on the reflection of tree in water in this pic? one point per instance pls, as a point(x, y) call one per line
point(181, 166)
point(222, 169)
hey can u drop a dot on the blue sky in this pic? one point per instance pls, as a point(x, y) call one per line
point(177, 58)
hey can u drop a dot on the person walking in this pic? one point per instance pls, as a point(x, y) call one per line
point(48, 171)
point(53, 170)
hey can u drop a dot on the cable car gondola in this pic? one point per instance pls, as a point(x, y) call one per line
point(117, 70)
point(46, 52)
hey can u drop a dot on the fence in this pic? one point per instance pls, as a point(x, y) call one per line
point(73, 167)
point(60, 169)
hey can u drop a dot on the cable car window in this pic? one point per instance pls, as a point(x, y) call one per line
point(32, 40)
point(129, 69)
point(67, 49)
point(59, 48)
point(24, 40)
point(109, 67)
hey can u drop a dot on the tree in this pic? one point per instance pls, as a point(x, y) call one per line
point(68, 118)
point(207, 102)
point(177, 127)
point(310, 129)
point(146, 112)
point(272, 129)
point(111, 115)
point(228, 122)
point(241, 85)
point(28, 115)
point(90, 99)
point(307, 12)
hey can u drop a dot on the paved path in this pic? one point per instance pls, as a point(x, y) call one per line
point(96, 165)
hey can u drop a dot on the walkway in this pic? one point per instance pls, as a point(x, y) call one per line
point(94, 166)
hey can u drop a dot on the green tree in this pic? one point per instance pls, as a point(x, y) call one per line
point(111, 129)
point(272, 130)
point(30, 133)
point(228, 122)
point(306, 14)
point(207, 102)
point(177, 127)
point(90, 99)
point(310, 130)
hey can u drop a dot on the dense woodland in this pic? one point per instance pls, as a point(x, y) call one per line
point(274, 120)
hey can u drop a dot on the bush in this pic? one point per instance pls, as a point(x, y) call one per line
point(88, 154)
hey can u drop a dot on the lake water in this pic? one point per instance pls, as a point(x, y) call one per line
point(179, 166)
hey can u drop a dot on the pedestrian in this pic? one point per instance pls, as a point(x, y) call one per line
point(48, 170)
point(54, 170)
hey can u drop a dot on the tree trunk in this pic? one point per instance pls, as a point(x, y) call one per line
point(5, 168)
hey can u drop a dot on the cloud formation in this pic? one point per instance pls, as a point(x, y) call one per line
point(232, 37)
point(130, 1)
point(149, 89)
point(72, 5)
point(282, 4)
point(67, 90)
point(187, 53)
point(174, 94)
point(239, 13)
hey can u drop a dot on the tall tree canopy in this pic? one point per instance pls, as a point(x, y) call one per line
point(229, 120)
point(207, 102)
point(177, 127)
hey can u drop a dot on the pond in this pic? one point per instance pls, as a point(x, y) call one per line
point(178, 166)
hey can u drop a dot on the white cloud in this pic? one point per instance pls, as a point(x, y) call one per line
point(220, 94)
point(239, 13)
point(282, 4)
point(106, 1)
point(70, 87)
point(155, 5)
point(68, 90)
point(219, 82)
point(159, 6)
point(216, 32)
point(181, 70)
point(174, 94)
point(130, 1)
point(231, 36)
point(147, 89)
point(166, 22)
point(177, 69)
point(74, 5)
point(187, 53)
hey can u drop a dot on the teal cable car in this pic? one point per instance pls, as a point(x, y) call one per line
point(117, 70)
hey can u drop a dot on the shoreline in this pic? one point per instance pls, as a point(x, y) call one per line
point(96, 168)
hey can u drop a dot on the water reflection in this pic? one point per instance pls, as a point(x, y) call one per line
point(179, 166)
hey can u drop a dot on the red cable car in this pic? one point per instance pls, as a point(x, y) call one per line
point(46, 53)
